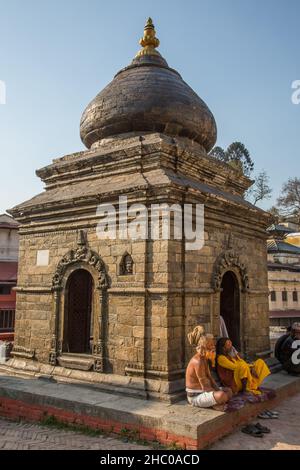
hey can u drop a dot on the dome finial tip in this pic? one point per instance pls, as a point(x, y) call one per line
point(149, 41)
point(150, 22)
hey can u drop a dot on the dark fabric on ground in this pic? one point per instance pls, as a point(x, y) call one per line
point(241, 399)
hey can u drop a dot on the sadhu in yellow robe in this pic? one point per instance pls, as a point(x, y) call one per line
point(232, 370)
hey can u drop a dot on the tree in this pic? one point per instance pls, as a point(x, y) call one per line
point(260, 189)
point(219, 153)
point(237, 152)
point(236, 155)
point(275, 213)
point(289, 201)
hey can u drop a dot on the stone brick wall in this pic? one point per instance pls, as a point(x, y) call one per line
point(149, 312)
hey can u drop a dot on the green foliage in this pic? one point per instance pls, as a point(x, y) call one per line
point(237, 152)
point(236, 155)
point(174, 446)
point(131, 435)
point(219, 153)
point(52, 421)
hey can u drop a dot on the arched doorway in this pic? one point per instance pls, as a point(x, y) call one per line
point(78, 329)
point(230, 307)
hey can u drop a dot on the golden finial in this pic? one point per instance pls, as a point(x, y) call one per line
point(149, 42)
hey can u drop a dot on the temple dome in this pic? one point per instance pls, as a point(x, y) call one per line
point(148, 96)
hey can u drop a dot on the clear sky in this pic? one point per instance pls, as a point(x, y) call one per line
point(240, 56)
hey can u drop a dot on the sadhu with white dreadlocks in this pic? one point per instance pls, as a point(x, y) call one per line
point(202, 390)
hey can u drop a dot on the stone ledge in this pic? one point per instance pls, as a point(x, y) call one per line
point(74, 362)
point(34, 290)
point(264, 354)
point(132, 386)
point(191, 428)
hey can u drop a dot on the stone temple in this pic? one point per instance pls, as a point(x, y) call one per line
point(115, 313)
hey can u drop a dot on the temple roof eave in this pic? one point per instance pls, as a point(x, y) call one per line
point(279, 246)
point(157, 149)
point(109, 189)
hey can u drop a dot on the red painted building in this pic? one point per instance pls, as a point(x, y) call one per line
point(9, 246)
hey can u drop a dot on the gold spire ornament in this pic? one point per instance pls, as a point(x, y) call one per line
point(149, 42)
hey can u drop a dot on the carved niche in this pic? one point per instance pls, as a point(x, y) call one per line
point(126, 265)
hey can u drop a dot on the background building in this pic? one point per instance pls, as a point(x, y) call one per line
point(9, 249)
point(283, 277)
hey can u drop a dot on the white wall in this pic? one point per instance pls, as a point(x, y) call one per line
point(9, 244)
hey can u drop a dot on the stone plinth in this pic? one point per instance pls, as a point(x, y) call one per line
point(180, 424)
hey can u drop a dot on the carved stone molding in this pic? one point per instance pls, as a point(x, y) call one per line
point(81, 254)
point(229, 259)
point(53, 358)
point(98, 365)
point(98, 349)
point(138, 369)
point(21, 351)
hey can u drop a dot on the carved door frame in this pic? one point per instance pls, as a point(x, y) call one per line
point(229, 260)
point(80, 258)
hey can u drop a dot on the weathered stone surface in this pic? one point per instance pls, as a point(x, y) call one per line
point(148, 97)
point(148, 133)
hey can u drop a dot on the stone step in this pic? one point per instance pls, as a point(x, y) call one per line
point(180, 424)
point(273, 364)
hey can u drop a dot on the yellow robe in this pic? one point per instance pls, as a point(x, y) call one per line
point(241, 370)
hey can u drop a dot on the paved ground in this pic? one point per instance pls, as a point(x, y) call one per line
point(285, 431)
point(24, 436)
point(285, 435)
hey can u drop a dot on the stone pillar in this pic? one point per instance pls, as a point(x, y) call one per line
point(54, 327)
point(244, 321)
point(215, 312)
point(99, 346)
